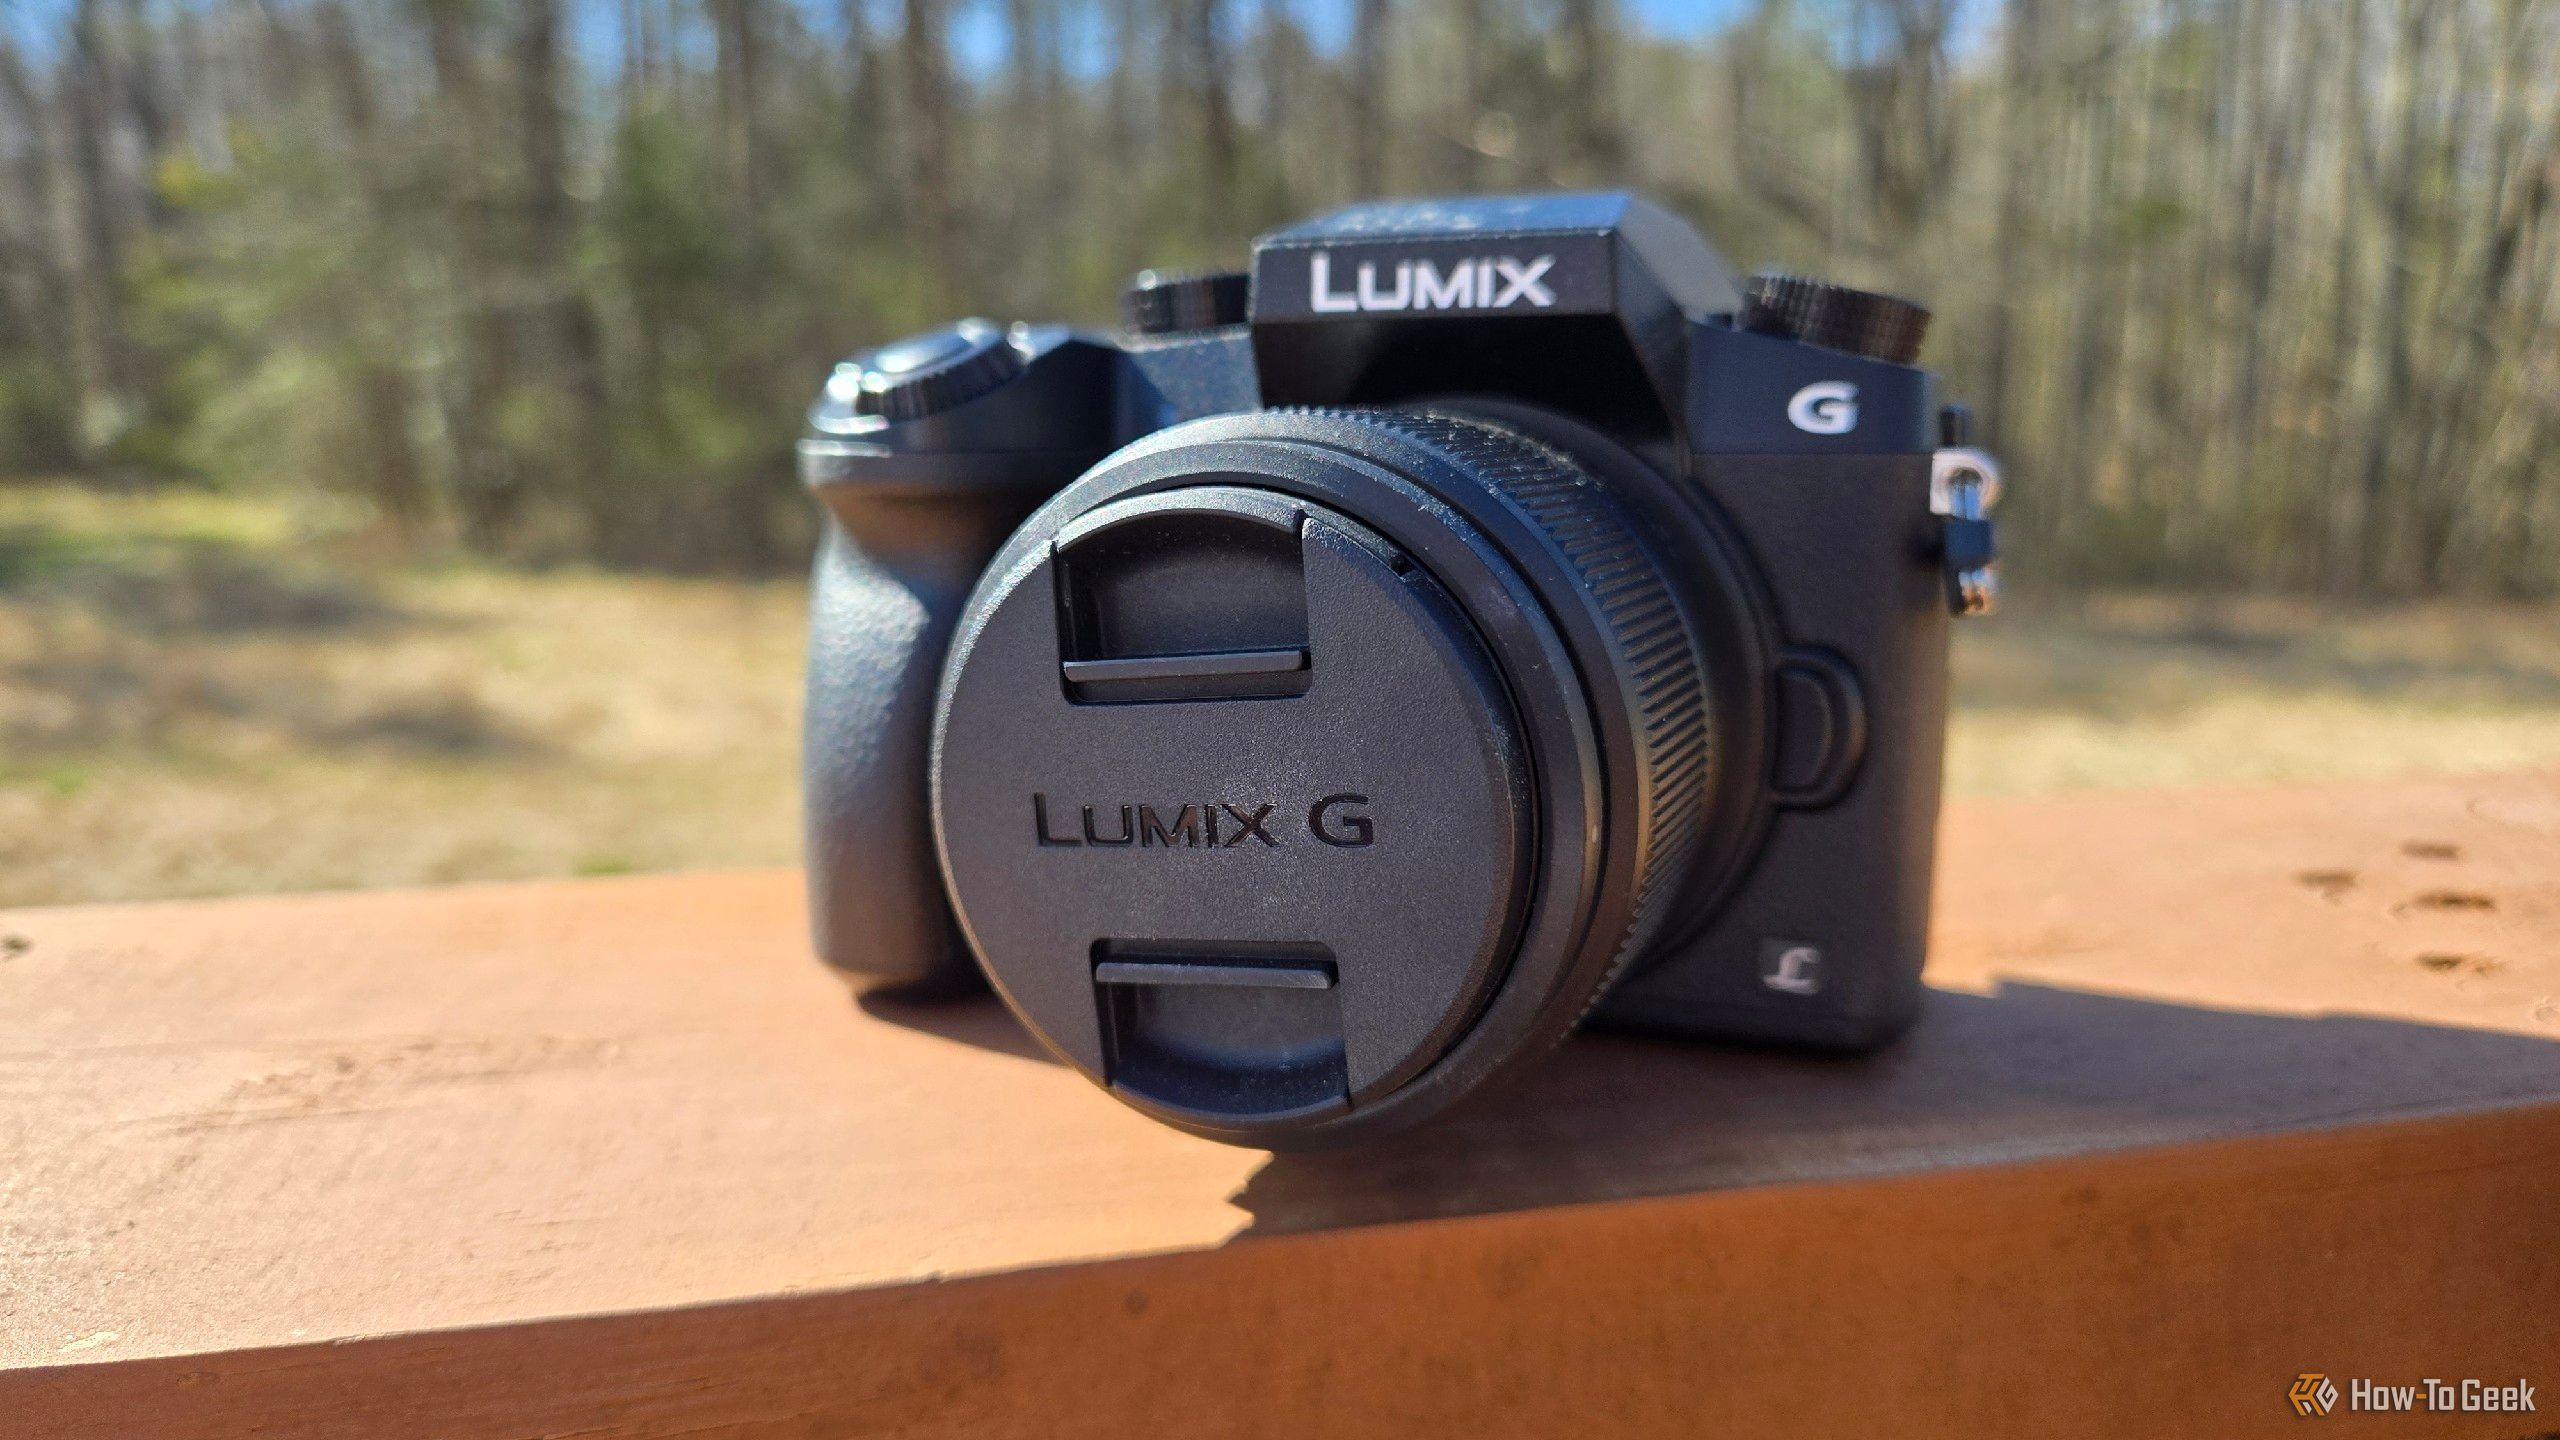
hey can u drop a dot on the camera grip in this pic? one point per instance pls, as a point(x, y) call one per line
point(891, 576)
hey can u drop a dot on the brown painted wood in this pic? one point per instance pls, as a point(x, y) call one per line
point(2219, 1087)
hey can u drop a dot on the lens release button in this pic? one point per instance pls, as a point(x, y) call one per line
point(1822, 729)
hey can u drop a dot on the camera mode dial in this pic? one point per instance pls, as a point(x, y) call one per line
point(1835, 317)
point(931, 372)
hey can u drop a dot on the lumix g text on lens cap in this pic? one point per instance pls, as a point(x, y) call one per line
point(1293, 773)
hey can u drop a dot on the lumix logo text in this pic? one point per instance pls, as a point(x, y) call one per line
point(1480, 282)
point(1341, 821)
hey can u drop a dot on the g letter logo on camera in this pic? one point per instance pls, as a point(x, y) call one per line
point(1825, 407)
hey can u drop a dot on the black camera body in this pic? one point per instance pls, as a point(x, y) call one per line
point(1311, 705)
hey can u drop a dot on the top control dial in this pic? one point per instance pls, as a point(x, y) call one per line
point(931, 372)
point(1817, 312)
point(1170, 302)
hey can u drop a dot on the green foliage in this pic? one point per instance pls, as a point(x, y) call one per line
point(37, 415)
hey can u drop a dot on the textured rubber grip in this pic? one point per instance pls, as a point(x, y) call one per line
point(884, 597)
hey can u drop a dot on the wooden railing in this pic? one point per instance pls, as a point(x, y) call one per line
point(2218, 1089)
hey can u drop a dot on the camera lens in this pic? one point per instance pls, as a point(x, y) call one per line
point(1296, 774)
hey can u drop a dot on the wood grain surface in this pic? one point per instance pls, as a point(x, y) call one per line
point(2216, 1088)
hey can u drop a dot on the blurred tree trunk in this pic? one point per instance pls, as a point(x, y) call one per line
point(2012, 249)
point(1769, 148)
point(1594, 150)
point(1461, 160)
point(2381, 516)
point(583, 447)
point(144, 89)
point(1038, 166)
point(2342, 536)
point(924, 73)
point(382, 386)
point(867, 109)
point(205, 105)
point(1906, 139)
point(93, 242)
point(40, 287)
point(1205, 112)
point(487, 486)
point(1280, 51)
point(1368, 110)
point(737, 57)
point(633, 25)
point(2095, 303)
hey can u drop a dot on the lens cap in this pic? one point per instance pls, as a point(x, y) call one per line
point(1239, 800)
point(1268, 787)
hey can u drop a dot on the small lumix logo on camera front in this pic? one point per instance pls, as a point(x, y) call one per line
point(1341, 821)
point(1825, 407)
point(1482, 282)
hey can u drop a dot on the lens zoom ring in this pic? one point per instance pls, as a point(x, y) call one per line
point(1629, 598)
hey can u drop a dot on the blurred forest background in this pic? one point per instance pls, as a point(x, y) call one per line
point(396, 396)
point(2247, 291)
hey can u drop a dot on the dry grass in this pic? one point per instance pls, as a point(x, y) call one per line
point(2149, 692)
point(201, 695)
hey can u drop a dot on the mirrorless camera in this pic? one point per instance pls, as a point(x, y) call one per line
point(1308, 706)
